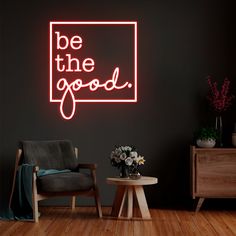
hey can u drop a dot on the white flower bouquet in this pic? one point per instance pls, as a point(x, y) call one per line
point(126, 156)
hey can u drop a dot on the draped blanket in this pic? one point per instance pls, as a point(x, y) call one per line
point(21, 204)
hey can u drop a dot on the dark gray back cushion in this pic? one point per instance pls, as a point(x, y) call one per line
point(54, 154)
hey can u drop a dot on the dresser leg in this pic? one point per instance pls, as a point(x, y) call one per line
point(199, 203)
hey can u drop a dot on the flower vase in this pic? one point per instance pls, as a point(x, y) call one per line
point(124, 172)
point(219, 129)
point(135, 175)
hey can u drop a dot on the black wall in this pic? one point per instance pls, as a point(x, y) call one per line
point(179, 44)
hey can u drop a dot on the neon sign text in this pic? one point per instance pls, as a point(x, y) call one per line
point(66, 40)
point(87, 64)
point(93, 85)
point(74, 76)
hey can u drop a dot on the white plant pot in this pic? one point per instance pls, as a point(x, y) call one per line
point(206, 143)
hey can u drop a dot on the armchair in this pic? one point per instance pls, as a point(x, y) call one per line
point(56, 172)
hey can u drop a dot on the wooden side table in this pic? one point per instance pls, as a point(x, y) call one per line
point(125, 189)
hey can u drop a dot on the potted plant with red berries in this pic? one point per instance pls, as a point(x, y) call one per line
point(220, 100)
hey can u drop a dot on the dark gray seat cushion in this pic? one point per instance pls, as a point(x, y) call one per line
point(64, 182)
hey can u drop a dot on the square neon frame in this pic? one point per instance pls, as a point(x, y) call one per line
point(134, 23)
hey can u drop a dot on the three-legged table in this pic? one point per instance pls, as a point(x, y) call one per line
point(127, 188)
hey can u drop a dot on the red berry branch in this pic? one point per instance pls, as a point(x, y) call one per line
point(219, 99)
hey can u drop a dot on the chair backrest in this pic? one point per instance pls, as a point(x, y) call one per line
point(53, 154)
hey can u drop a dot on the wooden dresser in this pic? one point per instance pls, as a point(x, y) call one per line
point(212, 173)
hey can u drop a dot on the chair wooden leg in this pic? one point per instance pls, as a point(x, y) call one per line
point(35, 211)
point(98, 203)
point(35, 200)
point(73, 199)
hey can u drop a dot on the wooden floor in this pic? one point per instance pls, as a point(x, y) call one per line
point(83, 221)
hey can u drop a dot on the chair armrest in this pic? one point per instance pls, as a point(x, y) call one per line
point(92, 168)
point(35, 169)
point(87, 166)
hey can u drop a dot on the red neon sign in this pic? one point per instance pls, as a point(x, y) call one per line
point(92, 62)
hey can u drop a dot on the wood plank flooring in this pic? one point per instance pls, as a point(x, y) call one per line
point(84, 222)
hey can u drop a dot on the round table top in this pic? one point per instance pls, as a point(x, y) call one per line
point(144, 180)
